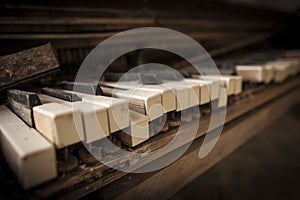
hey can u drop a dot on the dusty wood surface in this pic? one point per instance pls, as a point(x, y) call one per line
point(26, 64)
point(91, 178)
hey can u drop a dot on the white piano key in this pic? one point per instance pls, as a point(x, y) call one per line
point(59, 123)
point(215, 89)
point(144, 102)
point(209, 90)
point(118, 110)
point(95, 117)
point(283, 68)
point(30, 155)
point(270, 73)
point(167, 94)
point(138, 131)
point(95, 120)
point(237, 82)
point(252, 73)
point(227, 81)
point(194, 95)
point(223, 98)
point(188, 94)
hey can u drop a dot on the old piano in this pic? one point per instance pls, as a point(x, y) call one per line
point(65, 138)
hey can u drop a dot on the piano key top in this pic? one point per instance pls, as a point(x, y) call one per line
point(30, 155)
point(187, 93)
point(283, 68)
point(215, 92)
point(208, 91)
point(238, 83)
point(252, 73)
point(145, 102)
point(182, 95)
point(95, 120)
point(59, 123)
point(228, 82)
point(118, 110)
point(168, 97)
point(95, 117)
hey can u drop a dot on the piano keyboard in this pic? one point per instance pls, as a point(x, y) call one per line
point(44, 127)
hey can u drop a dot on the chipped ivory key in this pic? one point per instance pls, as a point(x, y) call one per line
point(30, 155)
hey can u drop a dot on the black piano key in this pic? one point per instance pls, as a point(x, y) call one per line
point(57, 93)
point(87, 88)
point(21, 103)
point(150, 79)
point(142, 78)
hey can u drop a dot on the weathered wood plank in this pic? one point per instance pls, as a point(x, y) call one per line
point(26, 64)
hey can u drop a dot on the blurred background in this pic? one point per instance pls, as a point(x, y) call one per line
point(222, 27)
